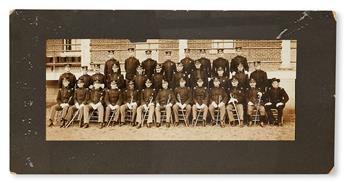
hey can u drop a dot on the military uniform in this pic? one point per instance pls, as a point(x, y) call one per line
point(178, 76)
point(237, 98)
point(184, 97)
point(64, 100)
point(242, 78)
point(131, 65)
point(169, 68)
point(157, 80)
point(87, 80)
point(200, 100)
point(130, 101)
point(139, 81)
point(113, 98)
point(199, 74)
point(70, 77)
point(118, 78)
point(149, 66)
point(95, 102)
point(260, 77)
point(274, 96)
point(147, 98)
point(205, 66)
point(108, 67)
point(218, 96)
point(188, 65)
point(80, 100)
point(164, 97)
point(238, 60)
point(224, 82)
point(253, 103)
point(223, 63)
point(98, 77)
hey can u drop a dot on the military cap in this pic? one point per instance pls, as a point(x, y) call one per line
point(68, 65)
point(216, 80)
point(221, 50)
point(220, 69)
point(257, 62)
point(158, 66)
point(186, 50)
point(130, 49)
point(234, 79)
point(111, 51)
point(148, 52)
point(275, 79)
point(80, 80)
point(97, 65)
point(252, 80)
point(148, 81)
point(84, 68)
point(168, 53)
point(202, 50)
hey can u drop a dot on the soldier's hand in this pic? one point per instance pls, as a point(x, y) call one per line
point(203, 106)
point(260, 94)
point(183, 106)
point(151, 104)
point(279, 104)
point(268, 103)
point(235, 100)
point(250, 103)
point(91, 86)
point(116, 106)
point(214, 104)
point(169, 104)
point(77, 105)
point(221, 104)
point(134, 103)
point(233, 73)
point(157, 104)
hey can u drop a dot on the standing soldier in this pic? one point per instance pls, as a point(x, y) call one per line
point(146, 108)
point(165, 99)
point(242, 76)
point(183, 99)
point(149, 65)
point(218, 98)
point(113, 101)
point(87, 80)
point(199, 73)
point(131, 64)
point(205, 63)
point(224, 80)
point(254, 99)
point(130, 101)
point(64, 100)
point(179, 74)
point(69, 76)
point(158, 78)
point(95, 102)
point(220, 62)
point(116, 76)
point(276, 98)
point(109, 64)
point(139, 79)
point(200, 100)
point(98, 76)
point(188, 63)
point(260, 76)
point(169, 68)
point(238, 60)
point(237, 101)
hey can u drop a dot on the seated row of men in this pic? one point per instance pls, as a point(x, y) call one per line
point(148, 102)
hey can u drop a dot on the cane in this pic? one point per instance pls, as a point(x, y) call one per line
point(184, 117)
point(218, 114)
point(111, 117)
point(257, 110)
point(235, 107)
point(70, 122)
point(146, 112)
point(197, 117)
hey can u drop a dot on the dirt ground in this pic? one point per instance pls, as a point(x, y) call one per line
point(287, 132)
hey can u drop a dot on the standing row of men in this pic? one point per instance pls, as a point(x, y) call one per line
point(190, 86)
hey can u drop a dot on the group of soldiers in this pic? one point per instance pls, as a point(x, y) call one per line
point(190, 89)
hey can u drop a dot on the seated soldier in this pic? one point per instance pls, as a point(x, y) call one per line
point(199, 73)
point(164, 100)
point(254, 99)
point(158, 77)
point(130, 99)
point(139, 79)
point(237, 100)
point(85, 77)
point(276, 98)
point(241, 75)
point(115, 75)
point(200, 100)
point(64, 100)
point(146, 108)
point(260, 76)
point(183, 96)
point(80, 99)
point(113, 101)
point(98, 76)
point(224, 80)
point(180, 73)
point(218, 98)
point(95, 102)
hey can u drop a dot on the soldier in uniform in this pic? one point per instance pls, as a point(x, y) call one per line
point(116, 76)
point(146, 107)
point(188, 63)
point(200, 100)
point(254, 101)
point(242, 76)
point(179, 74)
point(220, 62)
point(237, 99)
point(98, 76)
point(158, 77)
point(149, 65)
point(81, 95)
point(218, 98)
point(224, 80)
point(199, 73)
point(260, 76)
point(139, 79)
point(95, 102)
point(183, 96)
point(109, 64)
point(238, 60)
point(169, 68)
point(131, 65)
point(205, 63)
point(113, 101)
point(130, 101)
point(87, 80)
point(276, 98)
point(69, 76)
point(64, 100)
point(164, 100)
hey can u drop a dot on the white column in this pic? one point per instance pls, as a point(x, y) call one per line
point(182, 44)
point(286, 54)
point(85, 52)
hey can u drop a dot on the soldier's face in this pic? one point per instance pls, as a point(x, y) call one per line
point(131, 53)
point(186, 54)
point(111, 55)
point(182, 83)
point(65, 83)
point(113, 86)
point(140, 71)
point(148, 55)
point(258, 66)
point(115, 68)
point(131, 86)
point(165, 85)
point(252, 84)
point(158, 69)
point(275, 84)
point(200, 83)
point(97, 86)
point(179, 68)
point(84, 71)
point(96, 69)
point(67, 68)
point(234, 83)
point(148, 84)
point(240, 67)
point(220, 72)
point(80, 85)
point(197, 65)
point(216, 83)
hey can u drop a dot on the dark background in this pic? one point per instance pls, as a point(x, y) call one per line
point(311, 152)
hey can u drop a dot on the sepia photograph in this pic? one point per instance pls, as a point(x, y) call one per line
point(170, 89)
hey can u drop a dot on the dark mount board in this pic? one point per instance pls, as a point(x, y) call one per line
point(311, 152)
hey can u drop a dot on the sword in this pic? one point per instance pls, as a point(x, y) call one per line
point(184, 117)
point(235, 107)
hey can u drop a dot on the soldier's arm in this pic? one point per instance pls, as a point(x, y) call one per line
point(225, 97)
point(71, 100)
point(60, 82)
point(188, 101)
point(205, 101)
point(285, 96)
point(142, 102)
point(106, 98)
point(58, 97)
point(87, 96)
point(121, 99)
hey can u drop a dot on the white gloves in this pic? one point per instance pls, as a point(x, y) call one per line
point(221, 104)
point(279, 104)
point(64, 105)
point(214, 104)
point(260, 94)
point(250, 103)
point(268, 103)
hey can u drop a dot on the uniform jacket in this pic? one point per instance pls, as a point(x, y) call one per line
point(81, 95)
point(169, 68)
point(65, 95)
point(98, 76)
point(96, 96)
point(198, 73)
point(149, 66)
point(164, 95)
point(131, 65)
point(242, 78)
point(129, 95)
point(113, 97)
point(238, 93)
point(139, 81)
point(146, 95)
point(236, 61)
point(70, 77)
point(206, 66)
point(275, 95)
point(188, 65)
point(252, 95)
point(87, 80)
point(217, 92)
point(118, 78)
point(220, 62)
point(224, 82)
point(185, 94)
point(200, 95)
point(260, 77)
point(108, 66)
point(177, 77)
point(157, 80)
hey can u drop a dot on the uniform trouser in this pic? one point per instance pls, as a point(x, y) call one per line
point(123, 112)
point(158, 113)
point(279, 109)
point(239, 108)
point(251, 108)
point(107, 114)
point(195, 112)
point(57, 107)
point(141, 112)
point(71, 111)
point(187, 111)
point(89, 108)
point(211, 108)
